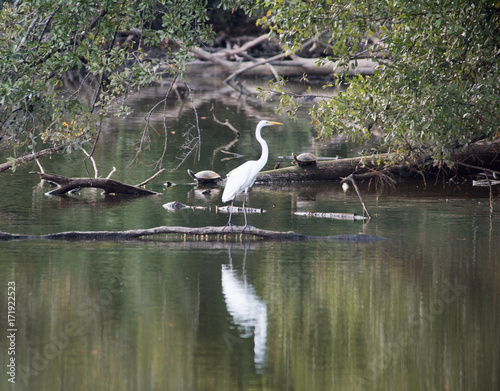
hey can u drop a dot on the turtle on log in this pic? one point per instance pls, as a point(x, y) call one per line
point(304, 159)
point(205, 176)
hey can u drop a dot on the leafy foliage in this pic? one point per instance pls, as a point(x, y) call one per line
point(436, 89)
point(103, 43)
point(437, 86)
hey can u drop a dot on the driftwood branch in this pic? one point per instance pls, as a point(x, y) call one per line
point(244, 47)
point(253, 65)
point(297, 66)
point(66, 185)
point(141, 233)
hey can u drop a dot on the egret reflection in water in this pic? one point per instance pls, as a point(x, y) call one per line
point(249, 312)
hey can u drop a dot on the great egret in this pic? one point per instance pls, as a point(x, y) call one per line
point(243, 177)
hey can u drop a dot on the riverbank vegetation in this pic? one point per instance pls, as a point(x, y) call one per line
point(421, 76)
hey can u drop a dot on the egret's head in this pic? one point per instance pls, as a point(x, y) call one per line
point(268, 123)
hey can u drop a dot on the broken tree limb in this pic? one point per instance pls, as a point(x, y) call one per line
point(30, 157)
point(136, 234)
point(66, 185)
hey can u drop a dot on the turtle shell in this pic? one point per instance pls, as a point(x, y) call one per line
point(305, 159)
point(205, 176)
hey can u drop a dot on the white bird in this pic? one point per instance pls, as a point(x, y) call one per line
point(243, 177)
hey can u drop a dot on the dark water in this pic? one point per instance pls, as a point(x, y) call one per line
point(418, 311)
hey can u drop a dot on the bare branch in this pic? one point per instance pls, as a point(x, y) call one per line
point(351, 179)
point(150, 178)
point(96, 175)
point(253, 65)
point(244, 47)
point(226, 123)
point(111, 173)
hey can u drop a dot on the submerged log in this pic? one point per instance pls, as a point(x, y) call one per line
point(204, 231)
point(237, 210)
point(328, 215)
point(66, 185)
point(175, 206)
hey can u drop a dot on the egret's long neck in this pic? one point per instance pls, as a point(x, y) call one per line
point(265, 149)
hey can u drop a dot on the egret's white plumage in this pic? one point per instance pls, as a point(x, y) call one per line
point(243, 177)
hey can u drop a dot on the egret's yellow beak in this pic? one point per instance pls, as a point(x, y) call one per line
point(274, 123)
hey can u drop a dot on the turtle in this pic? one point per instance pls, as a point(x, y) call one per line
point(205, 176)
point(304, 159)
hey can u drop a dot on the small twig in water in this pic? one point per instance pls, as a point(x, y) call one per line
point(365, 210)
point(196, 117)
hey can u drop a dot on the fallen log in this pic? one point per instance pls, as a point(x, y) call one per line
point(137, 234)
point(326, 170)
point(110, 186)
point(297, 66)
point(478, 157)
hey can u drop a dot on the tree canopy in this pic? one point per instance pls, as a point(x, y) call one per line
point(435, 92)
point(106, 41)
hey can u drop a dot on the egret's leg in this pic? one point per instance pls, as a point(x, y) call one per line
point(230, 215)
point(245, 209)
